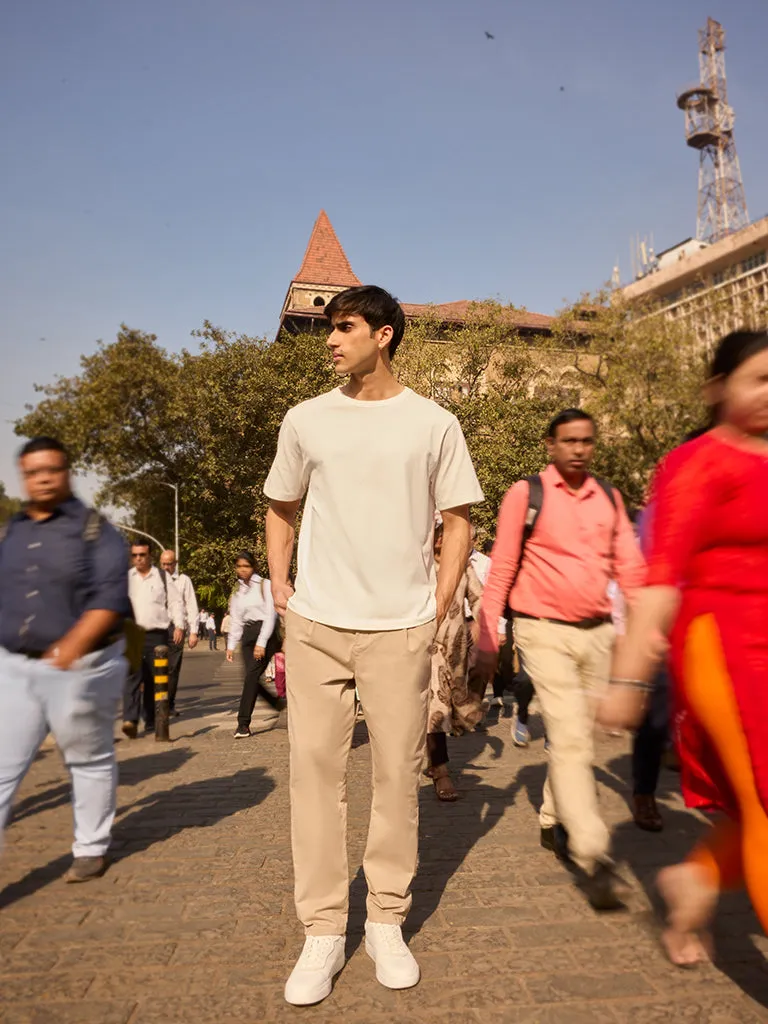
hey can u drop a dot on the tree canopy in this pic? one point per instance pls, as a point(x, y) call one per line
point(208, 420)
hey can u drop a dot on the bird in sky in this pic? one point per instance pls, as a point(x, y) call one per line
point(488, 35)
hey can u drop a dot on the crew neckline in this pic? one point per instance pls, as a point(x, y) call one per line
point(375, 402)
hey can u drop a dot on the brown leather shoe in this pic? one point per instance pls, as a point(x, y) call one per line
point(84, 869)
point(131, 730)
point(646, 813)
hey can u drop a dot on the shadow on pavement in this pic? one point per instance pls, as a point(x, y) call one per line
point(158, 816)
point(646, 853)
point(135, 770)
point(131, 773)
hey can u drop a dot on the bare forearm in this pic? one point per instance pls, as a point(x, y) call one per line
point(457, 544)
point(89, 630)
point(281, 535)
point(650, 619)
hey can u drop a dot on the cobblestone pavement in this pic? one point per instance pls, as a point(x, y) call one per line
point(194, 922)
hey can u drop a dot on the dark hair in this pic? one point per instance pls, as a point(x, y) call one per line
point(43, 444)
point(376, 306)
point(735, 349)
point(141, 544)
point(487, 547)
point(245, 556)
point(567, 416)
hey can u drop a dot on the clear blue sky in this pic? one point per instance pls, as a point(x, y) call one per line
point(163, 161)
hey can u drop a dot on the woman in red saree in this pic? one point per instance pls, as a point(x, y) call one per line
point(707, 588)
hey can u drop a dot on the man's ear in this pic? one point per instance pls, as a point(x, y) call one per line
point(384, 336)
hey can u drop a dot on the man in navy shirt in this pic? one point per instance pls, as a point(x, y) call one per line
point(63, 597)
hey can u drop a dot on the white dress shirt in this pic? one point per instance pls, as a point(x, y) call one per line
point(187, 592)
point(148, 597)
point(482, 565)
point(252, 602)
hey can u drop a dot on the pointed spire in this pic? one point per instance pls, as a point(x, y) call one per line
point(325, 262)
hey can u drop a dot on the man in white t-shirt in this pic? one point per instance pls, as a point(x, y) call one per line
point(375, 461)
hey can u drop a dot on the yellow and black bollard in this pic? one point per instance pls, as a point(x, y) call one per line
point(161, 695)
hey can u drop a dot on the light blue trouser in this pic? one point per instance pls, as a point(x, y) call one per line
point(79, 707)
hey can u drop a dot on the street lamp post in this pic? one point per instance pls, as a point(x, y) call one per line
point(175, 489)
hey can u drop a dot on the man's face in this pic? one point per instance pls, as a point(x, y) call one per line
point(354, 346)
point(140, 557)
point(573, 447)
point(168, 562)
point(46, 477)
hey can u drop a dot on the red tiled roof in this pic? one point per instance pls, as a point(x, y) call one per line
point(457, 311)
point(325, 262)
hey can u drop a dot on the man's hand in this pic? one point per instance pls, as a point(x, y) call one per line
point(486, 664)
point(502, 639)
point(281, 595)
point(230, 656)
point(192, 641)
point(178, 636)
point(259, 652)
point(61, 655)
point(623, 707)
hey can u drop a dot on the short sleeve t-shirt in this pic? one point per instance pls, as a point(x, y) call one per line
point(374, 473)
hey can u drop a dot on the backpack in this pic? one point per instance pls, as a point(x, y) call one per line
point(536, 502)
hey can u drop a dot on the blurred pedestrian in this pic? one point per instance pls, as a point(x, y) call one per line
point(708, 585)
point(254, 627)
point(191, 619)
point(63, 596)
point(210, 626)
point(562, 536)
point(455, 704)
point(159, 610)
point(226, 625)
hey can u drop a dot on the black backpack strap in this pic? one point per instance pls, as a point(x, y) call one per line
point(92, 528)
point(610, 493)
point(164, 578)
point(535, 503)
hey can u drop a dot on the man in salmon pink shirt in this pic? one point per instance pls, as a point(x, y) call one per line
point(558, 597)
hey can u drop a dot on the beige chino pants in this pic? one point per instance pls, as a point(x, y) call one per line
point(570, 669)
point(391, 670)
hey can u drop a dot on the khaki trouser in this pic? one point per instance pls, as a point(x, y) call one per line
point(391, 670)
point(570, 669)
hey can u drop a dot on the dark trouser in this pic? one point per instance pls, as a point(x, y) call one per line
point(507, 679)
point(254, 670)
point(175, 654)
point(437, 749)
point(651, 739)
point(146, 675)
point(212, 640)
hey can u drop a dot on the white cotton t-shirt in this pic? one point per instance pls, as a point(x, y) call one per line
point(374, 473)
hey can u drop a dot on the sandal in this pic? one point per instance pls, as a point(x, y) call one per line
point(444, 788)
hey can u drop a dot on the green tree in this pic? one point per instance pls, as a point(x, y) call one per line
point(8, 506)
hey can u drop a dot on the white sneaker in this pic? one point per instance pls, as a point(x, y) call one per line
point(312, 978)
point(395, 965)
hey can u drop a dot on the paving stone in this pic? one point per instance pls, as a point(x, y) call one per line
point(195, 921)
point(70, 1013)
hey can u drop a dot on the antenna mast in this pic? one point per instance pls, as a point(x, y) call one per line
point(709, 128)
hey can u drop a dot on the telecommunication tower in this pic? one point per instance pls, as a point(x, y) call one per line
point(709, 128)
